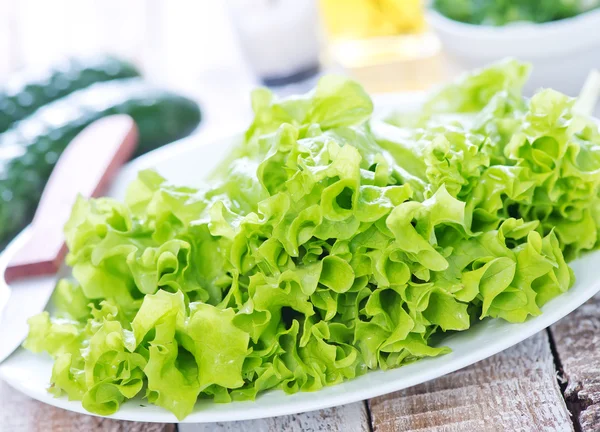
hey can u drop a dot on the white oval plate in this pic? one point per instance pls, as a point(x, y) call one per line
point(184, 163)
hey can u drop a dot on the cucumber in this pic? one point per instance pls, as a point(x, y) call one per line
point(30, 149)
point(30, 90)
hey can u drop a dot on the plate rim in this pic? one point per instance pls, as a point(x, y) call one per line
point(250, 410)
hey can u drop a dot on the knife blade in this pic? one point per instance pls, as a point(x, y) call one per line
point(30, 263)
point(26, 297)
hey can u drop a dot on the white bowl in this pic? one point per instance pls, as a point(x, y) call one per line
point(562, 52)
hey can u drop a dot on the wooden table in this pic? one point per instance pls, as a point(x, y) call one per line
point(550, 382)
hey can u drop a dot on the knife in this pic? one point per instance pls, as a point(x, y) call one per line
point(31, 262)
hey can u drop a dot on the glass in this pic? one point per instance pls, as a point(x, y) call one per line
point(384, 43)
point(279, 38)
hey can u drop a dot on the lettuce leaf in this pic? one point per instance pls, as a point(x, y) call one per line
point(330, 243)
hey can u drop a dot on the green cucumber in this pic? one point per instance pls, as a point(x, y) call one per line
point(30, 90)
point(30, 149)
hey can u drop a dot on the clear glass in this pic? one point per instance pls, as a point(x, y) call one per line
point(280, 39)
point(384, 43)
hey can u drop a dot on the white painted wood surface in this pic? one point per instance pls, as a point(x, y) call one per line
point(19, 413)
point(577, 340)
point(347, 418)
point(515, 390)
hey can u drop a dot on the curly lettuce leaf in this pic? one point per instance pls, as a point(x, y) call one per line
point(326, 245)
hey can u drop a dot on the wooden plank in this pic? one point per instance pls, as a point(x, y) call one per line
point(515, 390)
point(21, 413)
point(346, 418)
point(577, 343)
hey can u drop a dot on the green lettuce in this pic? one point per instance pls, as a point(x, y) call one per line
point(329, 244)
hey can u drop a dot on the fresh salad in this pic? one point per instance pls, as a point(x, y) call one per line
point(502, 12)
point(330, 243)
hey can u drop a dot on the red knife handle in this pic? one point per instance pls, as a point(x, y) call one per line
point(85, 168)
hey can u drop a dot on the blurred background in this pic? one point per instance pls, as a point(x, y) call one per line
point(218, 50)
point(187, 66)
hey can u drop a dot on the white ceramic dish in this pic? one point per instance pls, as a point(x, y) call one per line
point(562, 52)
point(181, 163)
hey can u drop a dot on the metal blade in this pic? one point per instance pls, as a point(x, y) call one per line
point(92, 158)
point(27, 297)
point(22, 299)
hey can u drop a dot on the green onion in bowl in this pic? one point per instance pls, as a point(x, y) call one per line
point(502, 12)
